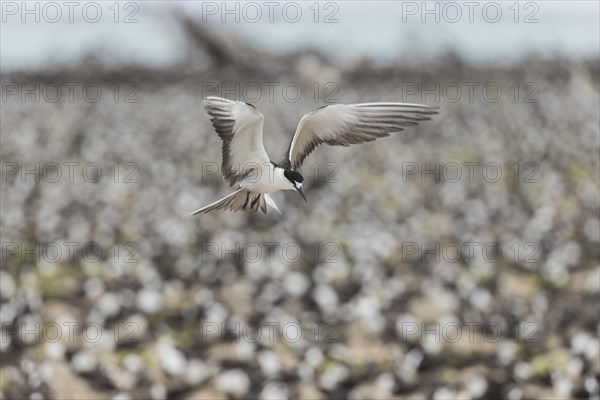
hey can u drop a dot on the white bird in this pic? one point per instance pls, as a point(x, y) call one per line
point(245, 161)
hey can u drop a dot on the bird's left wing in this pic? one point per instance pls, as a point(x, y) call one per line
point(240, 126)
point(346, 124)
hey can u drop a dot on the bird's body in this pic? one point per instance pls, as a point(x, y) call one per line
point(246, 163)
point(266, 179)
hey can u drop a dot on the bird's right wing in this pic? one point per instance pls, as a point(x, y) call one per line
point(346, 124)
point(240, 126)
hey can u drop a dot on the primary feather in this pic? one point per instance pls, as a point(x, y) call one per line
point(347, 124)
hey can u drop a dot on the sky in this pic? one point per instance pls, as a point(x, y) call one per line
point(37, 35)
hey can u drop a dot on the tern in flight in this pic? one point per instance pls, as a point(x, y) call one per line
point(246, 163)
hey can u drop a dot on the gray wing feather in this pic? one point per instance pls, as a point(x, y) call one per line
point(347, 124)
point(240, 127)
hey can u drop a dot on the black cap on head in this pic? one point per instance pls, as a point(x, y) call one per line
point(293, 176)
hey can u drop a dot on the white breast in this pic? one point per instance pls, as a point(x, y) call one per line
point(266, 179)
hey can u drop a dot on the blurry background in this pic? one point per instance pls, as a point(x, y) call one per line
point(458, 259)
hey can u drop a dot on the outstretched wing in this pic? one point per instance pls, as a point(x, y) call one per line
point(346, 124)
point(240, 126)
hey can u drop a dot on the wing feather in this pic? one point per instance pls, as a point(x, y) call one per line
point(348, 124)
point(240, 126)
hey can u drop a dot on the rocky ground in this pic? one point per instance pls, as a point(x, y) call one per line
point(458, 259)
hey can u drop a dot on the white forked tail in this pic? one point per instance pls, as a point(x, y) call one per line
point(240, 200)
point(271, 202)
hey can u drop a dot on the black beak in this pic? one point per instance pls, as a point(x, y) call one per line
point(299, 190)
